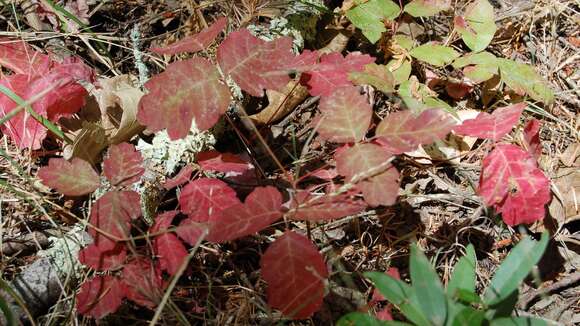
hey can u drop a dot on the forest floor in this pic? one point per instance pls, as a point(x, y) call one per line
point(436, 208)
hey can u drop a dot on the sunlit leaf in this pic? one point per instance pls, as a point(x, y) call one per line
point(295, 272)
point(169, 104)
point(123, 165)
point(378, 76)
point(425, 8)
point(523, 79)
point(532, 138)
point(18, 56)
point(492, 126)
point(203, 198)
point(370, 16)
point(435, 54)
point(322, 207)
point(73, 178)
point(477, 25)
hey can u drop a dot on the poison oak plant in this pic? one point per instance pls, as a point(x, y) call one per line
point(426, 302)
point(195, 91)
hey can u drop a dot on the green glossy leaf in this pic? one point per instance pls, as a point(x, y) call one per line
point(378, 76)
point(427, 287)
point(435, 54)
point(469, 316)
point(425, 8)
point(467, 296)
point(400, 294)
point(401, 70)
point(514, 269)
point(463, 276)
point(477, 27)
point(369, 17)
point(523, 79)
point(519, 321)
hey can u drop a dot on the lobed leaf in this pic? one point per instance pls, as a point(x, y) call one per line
point(367, 166)
point(532, 138)
point(203, 198)
point(19, 57)
point(123, 165)
point(369, 16)
point(143, 282)
point(181, 178)
point(295, 272)
point(477, 26)
point(492, 126)
point(378, 76)
point(100, 296)
point(434, 54)
point(187, 90)
point(311, 207)
point(261, 208)
point(230, 164)
point(404, 131)
point(523, 79)
point(346, 116)
point(75, 178)
point(101, 260)
point(170, 251)
point(425, 8)
point(255, 64)
point(512, 183)
point(111, 216)
point(197, 42)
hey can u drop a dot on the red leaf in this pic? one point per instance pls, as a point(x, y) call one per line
point(230, 164)
point(123, 165)
point(100, 296)
point(346, 116)
point(171, 252)
point(532, 138)
point(492, 126)
point(19, 57)
point(197, 42)
point(169, 104)
point(181, 178)
point(191, 231)
point(324, 174)
point(203, 198)
point(404, 131)
point(295, 272)
point(112, 214)
point(512, 183)
point(163, 221)
point(101, 260)
point(73, 178)
point(366, 165)
point(261, 208)
point(255, 64)
point(311, 207)
point(143, 282)
point(332, 72)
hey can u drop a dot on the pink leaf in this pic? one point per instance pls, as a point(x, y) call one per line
point(170, 251)
point(311, 207)
point(404, 131)
point(230, 164)
point(191, 231)
point(492, 126)
point(163, 221)
point(100, 296)
point(512, 183)
point(197, 42)
point(19, 57)
point(73, 178)
point(255, 64)
point(261, 208)
point(332, 72)
point(181, 178)
point(532, 138)
point(123, 166)
point(203, 198)
point(324, 174)
point(346, 116)
point(111, 215)
point(143, 282)
point(366, 165)
point(100, 260)
point(169, 104)
point(295, 272)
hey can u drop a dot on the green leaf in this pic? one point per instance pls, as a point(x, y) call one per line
point(425, 8)
point(523, 79)
point(469, 316)
point(428, 287)
point(404, 41)
point(463, 276)
point(477, 27)
point(378, 76)
point(400, 294)
point(419, 97)
point(401, 70)
point(435, 54)
point(480, 58)
point(360, 318)
point(503, 308)
point(519, 321)
point(515, 268)
point(369, 17)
